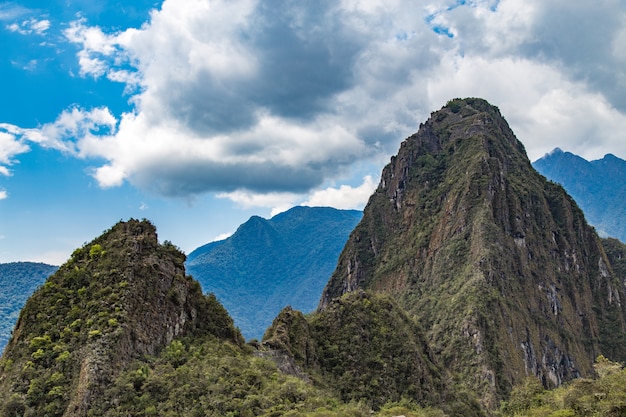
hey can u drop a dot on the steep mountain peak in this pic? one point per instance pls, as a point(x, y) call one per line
point(497, 265)
point(555, 151)
point(119, 297)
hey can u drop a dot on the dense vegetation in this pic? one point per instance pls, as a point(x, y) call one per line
point(604, 396)
point(18, 281)
point(616, 252)
point(599, 187)
point(363, 342)
point(120, 330)
point(120, 296)
point(269, 264)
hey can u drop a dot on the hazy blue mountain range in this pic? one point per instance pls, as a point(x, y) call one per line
point(269, 264)
point(599, 187)
point(18, 280)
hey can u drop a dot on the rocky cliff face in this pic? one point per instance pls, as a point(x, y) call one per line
point(496, 264)
point(119, 297)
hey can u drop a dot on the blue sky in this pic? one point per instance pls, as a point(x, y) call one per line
point(197, 114)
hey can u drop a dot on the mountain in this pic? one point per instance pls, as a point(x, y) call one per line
point(118, 298)
point(18, 280)
point(599, 187)
point(469, 283)
point(269, 264)
point(121, 330)
point(496, 264)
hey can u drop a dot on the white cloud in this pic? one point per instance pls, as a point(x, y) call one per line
point(96, 45)
point(543, 107)
point(3, 195)
point(265, 102)
point(72, 128)
point(221, 237)
point(10, 146)
point(344, 197)
point(30, 26)
point(11, 11)
point(53, 257)
point(278, 202)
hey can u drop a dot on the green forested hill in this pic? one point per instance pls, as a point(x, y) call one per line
point(18, 280)
point(119, 297)
point(269, 264)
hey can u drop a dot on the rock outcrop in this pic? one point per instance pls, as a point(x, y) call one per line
point(497, 265)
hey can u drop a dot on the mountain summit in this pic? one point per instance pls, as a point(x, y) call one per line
point(498, 266)
point(118, 298)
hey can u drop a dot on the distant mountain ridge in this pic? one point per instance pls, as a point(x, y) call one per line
point(269, 264)
point(18, 281)
point(599, 187)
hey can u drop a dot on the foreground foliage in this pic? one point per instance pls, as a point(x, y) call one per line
point(604, 396)
point(212, 378)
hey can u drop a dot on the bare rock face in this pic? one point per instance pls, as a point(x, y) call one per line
point(497, 265)
point(119, 297)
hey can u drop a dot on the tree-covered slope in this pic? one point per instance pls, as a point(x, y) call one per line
point(366, 347)
point(495, 263)
point(269, 264)
point(599, 187)
point(18, 281)
point(119, 297)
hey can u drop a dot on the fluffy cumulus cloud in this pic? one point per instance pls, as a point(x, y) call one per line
point(69, 133)
point(264, 102)
point(10, 146)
